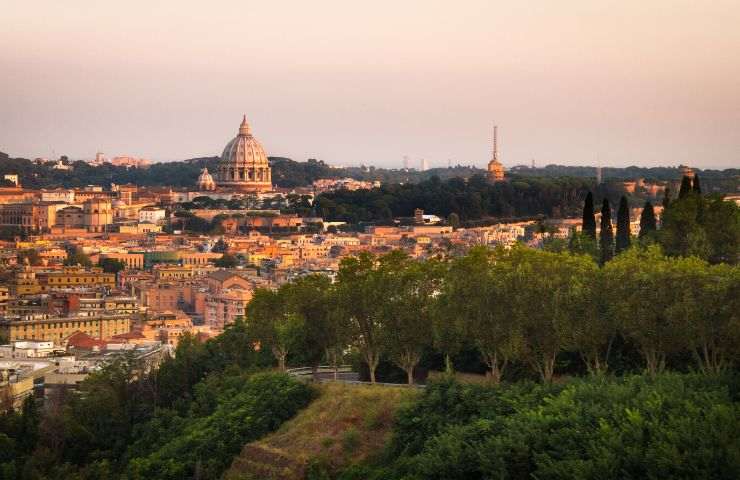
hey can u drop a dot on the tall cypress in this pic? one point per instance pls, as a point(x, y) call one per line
point(606, 236)
point(695, 185)
point(666, 197)
point(623, 226)
point(647, 220)
point(685, 187)
point(588, 226)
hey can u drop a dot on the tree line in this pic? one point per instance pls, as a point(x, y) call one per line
point(187, 418)
point(517, 305)
point(692, 224)
point(470, 199)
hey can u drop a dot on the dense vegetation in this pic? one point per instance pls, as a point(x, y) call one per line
point(673, 426)
point(289, 173)
point(470, 200)
point(185, 420)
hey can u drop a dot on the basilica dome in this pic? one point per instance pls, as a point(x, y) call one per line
point(205, 181)
point(244, 164)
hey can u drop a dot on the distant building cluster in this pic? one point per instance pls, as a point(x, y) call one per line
point(331, 184)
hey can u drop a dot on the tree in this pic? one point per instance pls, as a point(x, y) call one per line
point(720, 221)
point(639, 294)
point(112, 265)
point(360, 298)
point(77, 257)
point(648, 224)
point(31, 254)
point(307, 298)
point(606, 235)
point(589, 221)
point(273, 325)
point(547, 292)
point(406, 311)
point(696, 187)
point(226, 261)
point(666, 198)
point(623, 226)
point(453, 220)
point(705, 306)
point(681, 234)
point(220, 246)
point(685, 189)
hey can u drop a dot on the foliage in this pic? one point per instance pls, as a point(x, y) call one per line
point(623, 226)
point(77, 257)
point(471, 200)
point(648, 224)
point(675, 426)
point(112, 265)
point(589, 221)
point(226, 261)
point(204, 446)
point(606, 233)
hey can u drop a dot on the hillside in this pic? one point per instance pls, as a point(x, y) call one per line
point(344, 426)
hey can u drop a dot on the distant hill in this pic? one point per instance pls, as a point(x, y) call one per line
point(290, 173)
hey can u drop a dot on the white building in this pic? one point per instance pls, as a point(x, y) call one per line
point(151, 215)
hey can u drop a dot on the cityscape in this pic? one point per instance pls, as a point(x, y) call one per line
point(254, 311)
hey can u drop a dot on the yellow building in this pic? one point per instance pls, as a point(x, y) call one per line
point(56, 329)
point(75, 277)
point(25, 282)
point(132, 260)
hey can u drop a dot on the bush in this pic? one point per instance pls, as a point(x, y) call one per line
point(676, 426)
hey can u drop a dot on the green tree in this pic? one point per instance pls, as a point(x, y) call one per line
point(648, 224)
point(548, 291)
point(226, 261)
point(695, 186)
point(453, 220)
point(406, 312)
point(112, 265)
point(588, 224)
point(308, 299)
point(706, 306)
point(720, 220)
point(680, 233)
point(639, 294)
point(273, 325)
point(623, 226)
point(685, 189)
point(31, 254)
point(606, 235)
point(77, 257)
point(360, 295)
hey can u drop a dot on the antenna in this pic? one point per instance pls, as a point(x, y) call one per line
point(495, 142)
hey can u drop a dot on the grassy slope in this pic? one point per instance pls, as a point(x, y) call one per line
point(345, 425)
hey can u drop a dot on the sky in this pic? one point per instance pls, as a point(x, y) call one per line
point(575, 82)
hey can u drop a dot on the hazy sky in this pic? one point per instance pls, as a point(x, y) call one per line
point(646, 82)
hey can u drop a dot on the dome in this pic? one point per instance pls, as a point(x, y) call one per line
point(205, 181)
point(244, 164)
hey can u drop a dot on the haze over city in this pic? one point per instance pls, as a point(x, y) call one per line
point(579, 82)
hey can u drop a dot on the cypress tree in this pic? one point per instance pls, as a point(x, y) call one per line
point(685, 187)
point(606, 236)
point(666, 197)
point(623, 225)
point(696, 187)
point(647, 220)
point(588, 226)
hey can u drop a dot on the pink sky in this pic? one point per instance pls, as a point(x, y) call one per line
point(626, 82)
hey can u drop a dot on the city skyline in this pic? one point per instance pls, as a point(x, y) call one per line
point(614, 84)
